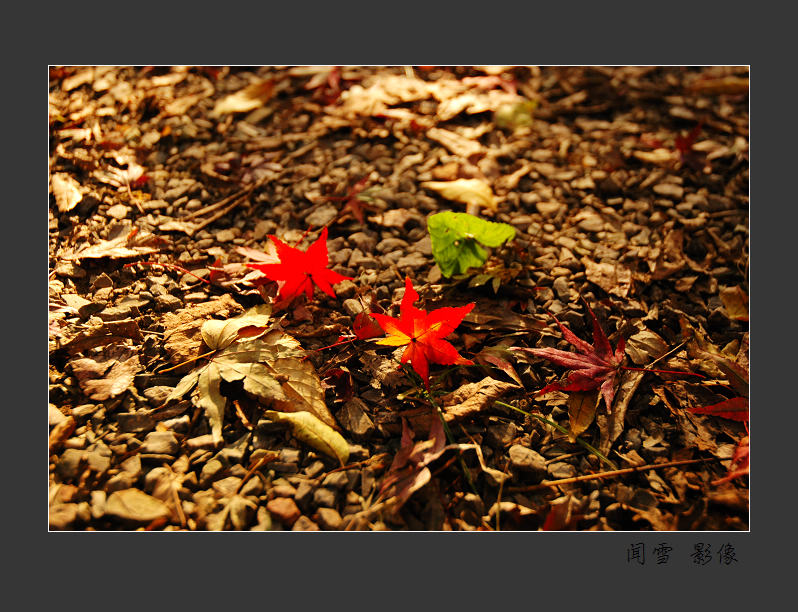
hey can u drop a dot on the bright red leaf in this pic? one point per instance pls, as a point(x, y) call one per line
point(423, 333)
point(300, 270)
point(594, 366)
point(735, 409)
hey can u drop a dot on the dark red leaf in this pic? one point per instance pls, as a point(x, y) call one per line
point(592, 366)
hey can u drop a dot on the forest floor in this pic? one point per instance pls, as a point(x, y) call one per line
point(626, 188)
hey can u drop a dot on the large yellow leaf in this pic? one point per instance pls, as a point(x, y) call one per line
point(310, 430)
point(221, 334)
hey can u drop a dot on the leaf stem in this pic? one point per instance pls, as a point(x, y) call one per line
point(561, 429)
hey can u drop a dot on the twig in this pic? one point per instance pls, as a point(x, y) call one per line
point(610, 474)
point(561, 429)
point(271, 456)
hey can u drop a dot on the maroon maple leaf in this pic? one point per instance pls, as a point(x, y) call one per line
point(592, 366)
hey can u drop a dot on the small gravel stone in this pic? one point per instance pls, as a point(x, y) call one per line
point(669, 190)
point(412, 260)
point(501, 434)
point(211, 470)
point(324, 497)
point(329, 519)
point(225, 235)
point(284, 509)
point(55, 416)
point(289, 455)
point(363, 241)
point(160, 442)
point(352, 307)
point(303, 523)
point(206, 441)
point(560, 285)
point(337, 480)
point(314, 469)
point(157, 395)
point(304, 493)
point(98, 457)
point(527, 460)
point(63, 516)
point(561, 469)
point(69, 463)
point(118, 211)
point(123, 480)
point(168, 302)
point(135, 505)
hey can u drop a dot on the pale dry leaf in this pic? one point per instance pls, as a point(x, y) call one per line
point(613, 278)
point(473, 192)
point(108, 373)
point(251, 97)
point(220, 334)
point(307, 428)
point(67, 191)
point(457, 144)
point(645, 346)
point(210, 399)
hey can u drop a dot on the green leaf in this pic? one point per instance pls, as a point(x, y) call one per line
point(310, 430)
point(456, 239)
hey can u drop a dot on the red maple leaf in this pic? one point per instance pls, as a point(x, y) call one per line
point(735, 408)
point(592, 366)
point(739, 462)
point(300, 270)
point(423, 333)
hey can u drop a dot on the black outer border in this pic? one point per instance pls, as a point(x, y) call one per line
point(394, 568)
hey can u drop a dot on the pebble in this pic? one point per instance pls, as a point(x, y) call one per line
point(314, 469)
point(135, 505)
point(284, 509)
point(548, 209)
point(501, 434)
point(118, 211)
point(669, 190)
point(206, 441)
point(352, 307)
point(304, 493)
point(560, 469)
point(123, 480)
point(303, 523)
point(160, 442)
point(168, 302)
point(329, 519)
point(560, 285)
point(63, 516)
point(55, 416)
point(98, 457)
point(412, 260)
point(210, 470)
point(337, 480)
point(363, 241)
point(289, 455)
point(157, 395)
point(69, 463)
point(324, 497)
point(322, 215)
point(527, 460)
point(135, 422)
point(225, 235)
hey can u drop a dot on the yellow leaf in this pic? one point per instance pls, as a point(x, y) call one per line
point(581, 410)
point(472, 192)
point(310, 430)
point(251, 97)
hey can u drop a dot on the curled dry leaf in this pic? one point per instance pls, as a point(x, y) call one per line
point(307, 428)
point(108, 373)
point(475, 193)
point(251, 97)
point(66, 190)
